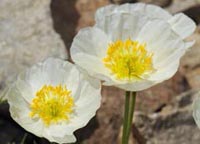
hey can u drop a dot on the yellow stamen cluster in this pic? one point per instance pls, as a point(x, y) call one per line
point(52, 104)
point(128, 60)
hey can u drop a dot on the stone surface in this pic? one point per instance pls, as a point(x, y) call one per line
point(163, 113)
point(87, 9)
point(109, 117)
point(162, 3)
point(153, 99)
point(190, 64)
point(191, 60)
point(181, 5)
point(173, 124)
point(26, 37)
point(65, 19)
point(193, 78)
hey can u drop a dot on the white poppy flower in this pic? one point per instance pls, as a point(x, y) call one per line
point(53, 99)
point(133, 46)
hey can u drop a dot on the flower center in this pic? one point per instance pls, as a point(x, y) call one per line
point(128, 60)
point(52, 104)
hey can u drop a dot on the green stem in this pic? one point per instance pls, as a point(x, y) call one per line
point(126, 111)
point(128, 115)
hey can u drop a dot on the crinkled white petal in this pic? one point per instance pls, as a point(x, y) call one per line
point(88, 102)
point(134, 86)
point(91, 41)
point(121, 26)
point(60, 72)
point(196, 109)
point(164, 35)
point(182, 25)
point(125, 21)
point(35, 77)
point(88, 49)
point(160, 40)
point(27, 92)
point(151, 11)
point(54, 72)
point(167, 47)
point(85, 108)
point(93, 65)
point(68, 138)
point(19, 109)
point(60, 136)
point(51, 72)
point(104, 11)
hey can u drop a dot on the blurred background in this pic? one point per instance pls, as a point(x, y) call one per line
point(32, 30)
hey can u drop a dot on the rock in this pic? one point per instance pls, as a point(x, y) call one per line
point(87, 9)
point(26, 37)
point(193, 78)
point(156, 97)
point(193, 12)
point(174, 124)
point(190, 64)
point(65, 18)
point(191, 59)
point(109, 117)
point(162, 3)
point(181, 5)
point(122, 1)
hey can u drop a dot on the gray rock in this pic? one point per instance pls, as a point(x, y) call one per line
point(181, 5)
point(26, 37)
point(174, 124)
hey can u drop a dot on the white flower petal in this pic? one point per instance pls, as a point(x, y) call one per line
point(88, 49)
point(62, 129)
point(60, 72)
point(64, 139)
point(135, 86)
point(104, 11)
point(27, 92)
point(91, 41)
point(20, 112)
point(163, 34)
point(92, 64)
point(189, 44)
point(16, 100)
point(51, 72)
point(151, 11)
point(164, 47)
point(83, 89)
point(85, 108)
point(156, 33)
point(125, 21)
point(54, 69)
point(182, 25)
point(60, 139)
point(35, 77)
point(34, 126)
point(166, 72)
point(169, 65)
point(88, 102)
point(116, 28)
